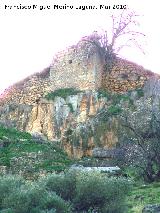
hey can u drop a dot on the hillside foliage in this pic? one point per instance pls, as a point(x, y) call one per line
point(69, 192)
point(21, 153)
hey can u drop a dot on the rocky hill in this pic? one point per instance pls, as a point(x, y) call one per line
point(76, 103)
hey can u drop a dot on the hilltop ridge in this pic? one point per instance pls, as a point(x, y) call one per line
point(82, 67)
point(38, 104)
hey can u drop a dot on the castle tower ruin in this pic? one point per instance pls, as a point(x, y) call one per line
point(80, 66)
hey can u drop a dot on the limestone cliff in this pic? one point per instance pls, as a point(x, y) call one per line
point(68, 121)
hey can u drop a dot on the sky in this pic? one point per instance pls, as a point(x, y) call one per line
point(29, 38)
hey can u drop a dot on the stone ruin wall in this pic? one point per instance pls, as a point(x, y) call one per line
point(29, 90)
point(126, 75)
point(80, 67)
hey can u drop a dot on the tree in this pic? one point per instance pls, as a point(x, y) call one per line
point(123, 33)
point(142, 147)
point(138, 128)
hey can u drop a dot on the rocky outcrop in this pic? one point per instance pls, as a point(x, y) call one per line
point(70, 121)
point(155, 208)
point(108, 153)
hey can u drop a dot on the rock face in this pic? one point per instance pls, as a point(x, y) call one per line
point(151, 208)
point(69, 121)
point(77, 121)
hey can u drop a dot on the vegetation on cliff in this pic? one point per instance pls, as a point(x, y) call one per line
point(63, 93)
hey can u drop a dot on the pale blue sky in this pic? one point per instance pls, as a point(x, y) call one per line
point(29, 39)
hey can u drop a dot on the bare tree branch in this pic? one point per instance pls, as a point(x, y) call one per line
point(125, 26)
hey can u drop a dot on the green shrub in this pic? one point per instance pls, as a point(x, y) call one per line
point(70, 107)
point(97, 191)
point(103, 93)
point(8, 184)
point(25, 199)
point(13, 134)
point(63, 93)
point(35, 201)
point(33, 198)
point(56, 202)
point(115, 98)
point(140, 92)
point(63, 184)
point(89, 190)
point(114, 110)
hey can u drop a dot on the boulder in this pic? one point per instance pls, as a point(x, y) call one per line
point(38, 137)
point(108, 153)
point(155, 208)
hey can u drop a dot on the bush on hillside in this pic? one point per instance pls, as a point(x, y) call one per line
point(97, 191)
point(63, 184)
point(90, 190)
point(87, 192)
point(29, 197)
point(8, 184)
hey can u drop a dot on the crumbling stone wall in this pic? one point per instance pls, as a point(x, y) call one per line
point(125, 75)
point(80, 67)
point(29, 90)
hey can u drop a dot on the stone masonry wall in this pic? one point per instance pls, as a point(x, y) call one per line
point(126, 75)
point(80, 67)
point(29, 90)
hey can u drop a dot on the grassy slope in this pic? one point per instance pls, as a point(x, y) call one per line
point(18, 144)
point(143, 195)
